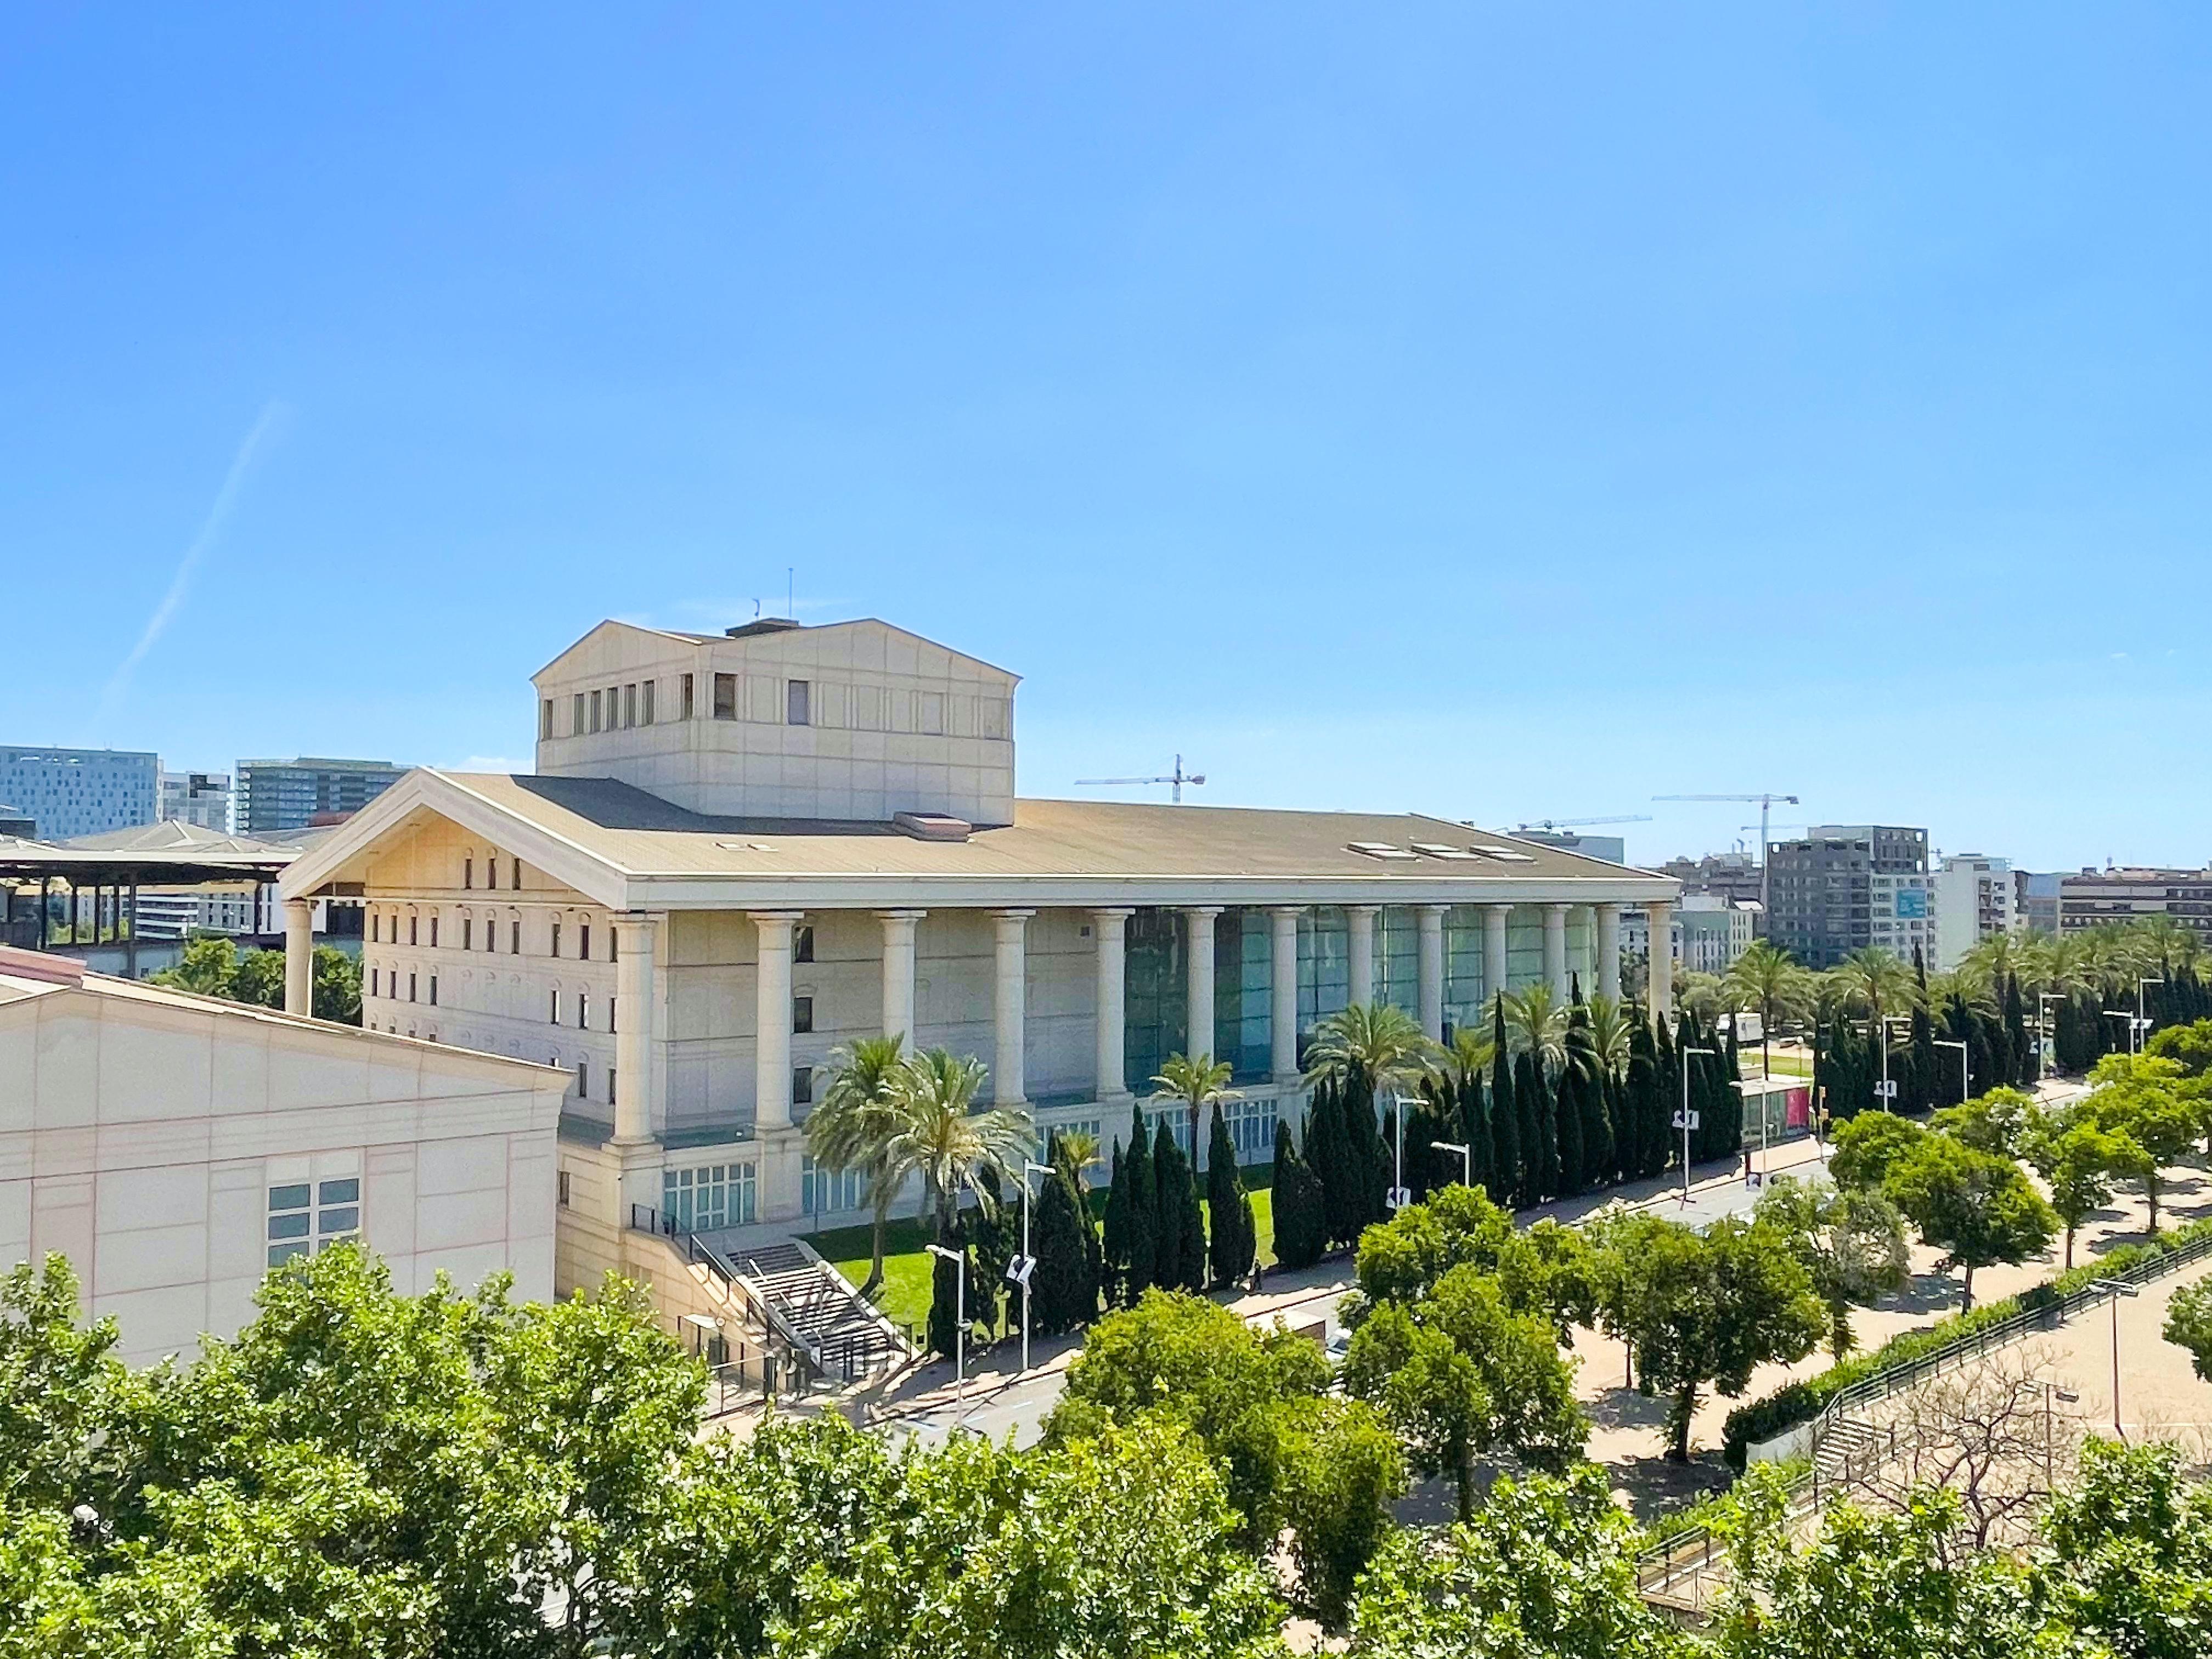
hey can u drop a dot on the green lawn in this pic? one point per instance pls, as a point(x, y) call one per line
point(905, 1295)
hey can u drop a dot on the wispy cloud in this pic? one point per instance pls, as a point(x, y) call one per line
point(272, 418)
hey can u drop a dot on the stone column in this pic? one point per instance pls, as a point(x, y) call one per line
point(1360, 926)
point(899, 928)
point(299, 956)
point(1609, 951)
point(772, 1021)
point(1555, 950)
point(1662, 979)
point(1283, 987)
point(1494, 917)
point(1111, 927)
point(1432, 981)
point(1197, 984)
point(635, 1004)
point(1010, 1005)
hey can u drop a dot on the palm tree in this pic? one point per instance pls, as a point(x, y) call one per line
point(1470, 1054)
point(1374, 1041)
point(1078, 1150)
point(1766, 976)
point(1989, 963)
point(853, 1125)
point(1536, 1024)
point(1872, 976)
point(944, 1141)
point(1199, 1084)
point(1610, 1026)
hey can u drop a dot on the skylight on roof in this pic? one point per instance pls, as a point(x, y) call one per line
point(1380, 849)
point(1507, 854)
point(1437, 850)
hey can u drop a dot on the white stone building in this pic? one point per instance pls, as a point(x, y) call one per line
point(174, 1147)
point(741, 851)
point(1975, 897)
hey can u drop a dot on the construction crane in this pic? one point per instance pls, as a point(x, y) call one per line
point(1584, 821)
point(1766, 803)
point(1178, 778)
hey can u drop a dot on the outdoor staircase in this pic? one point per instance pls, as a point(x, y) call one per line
point(817, 1311)
point(1848, 1451)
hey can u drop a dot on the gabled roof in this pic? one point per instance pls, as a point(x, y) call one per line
point(621, 847)
point(687, 638)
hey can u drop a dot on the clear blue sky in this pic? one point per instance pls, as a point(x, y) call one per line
point(1501, 411)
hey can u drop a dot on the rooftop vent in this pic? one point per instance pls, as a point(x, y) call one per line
point(763, 625)
point(932, 826)
point(1379, 849)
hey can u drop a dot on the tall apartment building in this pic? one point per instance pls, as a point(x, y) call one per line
point(1842, 888)
point(2037, 896)
point(80, 792)
point(2128, 894)
point(292, 794)
point(1976, 898)
point(201, 798)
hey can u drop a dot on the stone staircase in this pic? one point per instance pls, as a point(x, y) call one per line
point(816, 1311)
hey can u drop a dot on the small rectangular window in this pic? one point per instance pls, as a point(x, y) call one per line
point(583, 1011)
point(684, 698)
point(434, 932)
point(629, 704)
point(375, 928)
point(514, 937)
point(802, 1086)
point(610, 1013)
point(556, 939)
point(796, 703)
point(545, 718)
point(517, 882)
point(372, 981)
point(576, 717)
point(561, 1189)
point(468, 874)
point(410, 988)
point(802, 1015)
point(595, 711)
point(583, 941)
point(468, 932)
point(802, 942)
point(414, 927)
point(433, 990)
point(726, 696)
point(610, 1085)
point(554, 1017)
point(584, 1078)
point(645, 711)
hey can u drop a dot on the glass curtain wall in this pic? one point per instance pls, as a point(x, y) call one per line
point(1398, 958)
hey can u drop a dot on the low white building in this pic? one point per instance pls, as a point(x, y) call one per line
point(1708, 933)
point(174, 1147)
point(740, 852)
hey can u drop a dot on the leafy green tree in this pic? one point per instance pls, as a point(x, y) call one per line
point(1711, 1309)
point(1849, 1239)
point(1301, 1213)
point(1235, 1235)
point(1977, 1208)
point(334, 984)
point(1459, 1374)
point(1870, 1145)
point(2188, 1324)
point(1994, 1122)
point(62, 1393)
point(1334, 1469)
point(1767, 978)
point(1536, 1024)
point(207, 968)
point(1377, 1044)
point(2129, 1567)
point(2079, 1160)
point(854, 1125)
point(1545, 1570)
point(2151, 1100)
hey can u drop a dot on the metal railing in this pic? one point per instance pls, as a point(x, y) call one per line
point(649, 1219)
point(1662, 1568)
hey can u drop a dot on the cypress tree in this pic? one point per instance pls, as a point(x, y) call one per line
point(1329, 1153)
point(1539, 1119)
point(1507, 1157)
point(1301, 1210)
point(1146, 1257)
point(1616, 1116)
point(1181, 1259)
point(1474, 1129)
point(1635, 1118)
point(2020, 1048)
point(1229, 1207)
point(1063, 1286)
point(1114, 1244)
point(1569, 1119)
point(1371, 1157)
point(1669, 1095)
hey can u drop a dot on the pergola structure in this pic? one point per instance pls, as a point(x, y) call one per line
point(114, 865)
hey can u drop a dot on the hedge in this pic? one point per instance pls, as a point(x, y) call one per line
point(1799, 1403)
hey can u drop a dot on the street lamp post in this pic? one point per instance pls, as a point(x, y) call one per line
point(1398, 1195)
point(1965, 1066)
point(2142, 1020)
point(1682, 1119)
point(959, 1320)
point(2122, 1013)
point(1026, 1268)
point(1465, 1159)
point(2048, 1030)
point(1880, 1029)
point(2116, 1289)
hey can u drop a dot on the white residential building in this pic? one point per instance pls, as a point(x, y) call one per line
point(175, 1147)
point(1707, 935)
point(1976, 897)
point(741, 851)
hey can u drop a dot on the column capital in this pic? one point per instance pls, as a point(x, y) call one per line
point(1434, 910)
point(1010, 915)
point(1363, 910)
point(1120, 911)
point(1201, 909)
point(1606, 907)
point(776, 915)
point(902, 915)
point(1292, 911)
point(1559, 907)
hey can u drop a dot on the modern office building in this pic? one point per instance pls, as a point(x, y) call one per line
point(1842, 888)
point(2132, 893)
point(739, 852)
point(2036, 894)
point(1976, 897)
point(297, 794)
point(80, 792)
point(200, 798)
point(1611, 849)
point(175, 1147)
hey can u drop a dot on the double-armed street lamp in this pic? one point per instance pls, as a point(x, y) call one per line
point(1023, 1266)
point(1465, 1158)
point(959, 1261)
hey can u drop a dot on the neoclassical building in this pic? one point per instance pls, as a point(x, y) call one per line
point(739, 851)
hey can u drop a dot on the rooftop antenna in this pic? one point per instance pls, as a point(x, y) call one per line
point(1178, 778)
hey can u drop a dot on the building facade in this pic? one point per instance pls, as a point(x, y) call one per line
point(295, 794)
point(740, 852)
point(1976, 897)
point(2132, 893)
point(1842, 888)
point(1732, 876)
point(80, 792)
point(200, 798)
point(1706, 935)
point(175, 1147)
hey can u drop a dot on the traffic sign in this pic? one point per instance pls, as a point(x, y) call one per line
point(1399, 1198)
point(1887, 1088)
point(1679, 1124)
point(1019, 1269)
